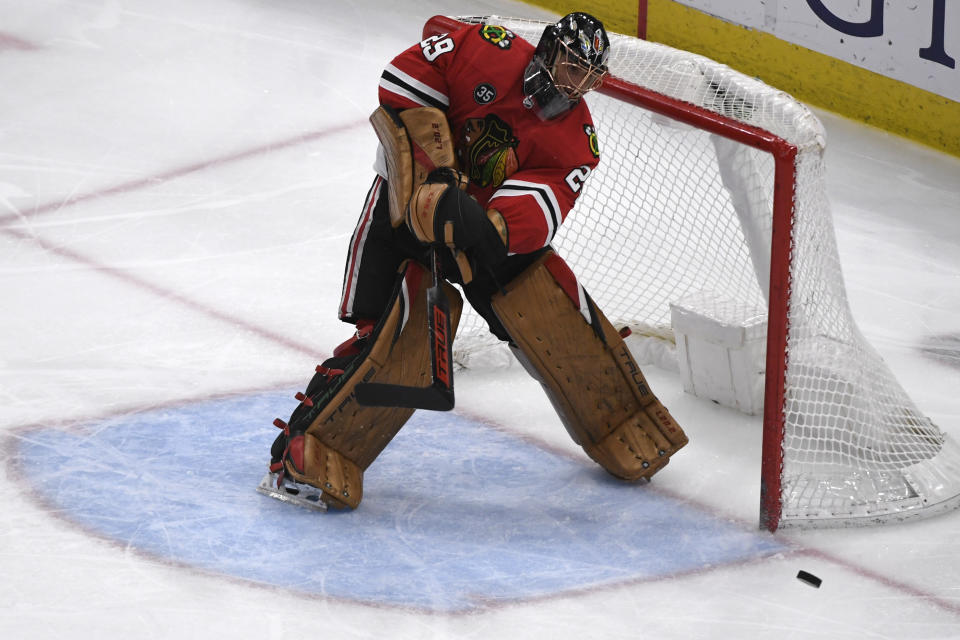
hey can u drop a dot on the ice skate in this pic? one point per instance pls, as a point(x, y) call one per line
point(281, 487)
point(294, 456)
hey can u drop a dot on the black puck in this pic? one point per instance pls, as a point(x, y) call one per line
point(810, 579)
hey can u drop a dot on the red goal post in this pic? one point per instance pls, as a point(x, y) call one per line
point(842, 443)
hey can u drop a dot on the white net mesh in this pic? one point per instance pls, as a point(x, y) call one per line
point(674, 210)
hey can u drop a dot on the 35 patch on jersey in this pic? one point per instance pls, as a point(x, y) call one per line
point(487, 150)
point(497, 35)
point(484, 93)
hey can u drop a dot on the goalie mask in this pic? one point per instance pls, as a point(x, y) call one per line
point(570, 60)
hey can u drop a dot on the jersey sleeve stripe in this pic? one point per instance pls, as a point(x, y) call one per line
point(398, 82)
point(544, 197)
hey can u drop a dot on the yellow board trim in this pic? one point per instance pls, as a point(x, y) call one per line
point(809, 76)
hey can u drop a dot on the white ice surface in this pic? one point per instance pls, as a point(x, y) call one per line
point(178, 182)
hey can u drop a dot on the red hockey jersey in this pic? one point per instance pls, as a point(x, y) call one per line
point(528, 169)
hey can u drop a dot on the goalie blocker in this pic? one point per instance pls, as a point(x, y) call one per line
point(567, 344)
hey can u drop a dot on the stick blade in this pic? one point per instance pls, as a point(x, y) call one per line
point(432, 398)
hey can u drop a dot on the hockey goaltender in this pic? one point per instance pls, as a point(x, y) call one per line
point(485, 145)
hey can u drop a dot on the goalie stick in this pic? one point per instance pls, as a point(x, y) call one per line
point(438, 396)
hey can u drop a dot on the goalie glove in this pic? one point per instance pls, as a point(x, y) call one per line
point(441, 213)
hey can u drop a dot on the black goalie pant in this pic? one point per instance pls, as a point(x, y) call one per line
point(377, 249)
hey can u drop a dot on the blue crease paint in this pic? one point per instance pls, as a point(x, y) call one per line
point(456, 516)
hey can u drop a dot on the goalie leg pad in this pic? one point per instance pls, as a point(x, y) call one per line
point(590, 376)
point(339, 438)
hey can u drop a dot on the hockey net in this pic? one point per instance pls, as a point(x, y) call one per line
point(711, 181)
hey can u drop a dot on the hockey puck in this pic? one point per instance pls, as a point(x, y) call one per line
point(810, 579)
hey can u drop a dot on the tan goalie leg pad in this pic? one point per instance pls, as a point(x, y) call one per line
point(589, 374)
point(344, 438)
point(340, 479)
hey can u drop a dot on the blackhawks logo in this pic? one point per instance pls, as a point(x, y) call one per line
point(487, 150)
point(592, 140)
point(497, 35)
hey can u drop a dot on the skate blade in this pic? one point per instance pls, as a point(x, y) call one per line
point(302, 495)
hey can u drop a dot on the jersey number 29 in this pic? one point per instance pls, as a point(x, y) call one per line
point(435, 46)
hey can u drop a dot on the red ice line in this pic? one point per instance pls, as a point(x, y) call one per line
point(950, 605)
point(8, 41)
point(167, 294)
point(179, 172)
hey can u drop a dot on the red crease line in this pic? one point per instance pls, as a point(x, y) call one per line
point(128, 278)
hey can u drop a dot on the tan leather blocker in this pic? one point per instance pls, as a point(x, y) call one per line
point(567, 344)
point(415, 142)
point(345, 437)
point(422, 215)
